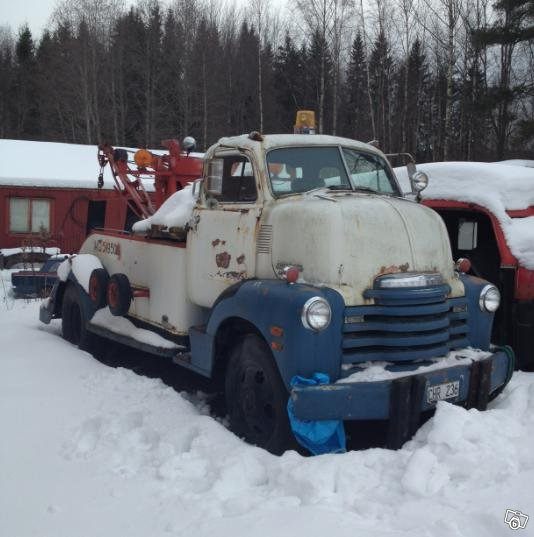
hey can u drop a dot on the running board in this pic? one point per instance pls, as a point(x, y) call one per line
point(165, 352)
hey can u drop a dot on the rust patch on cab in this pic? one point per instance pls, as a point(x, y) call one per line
point(223, 260)
point(242, 275)
point(241, 259)
point(393, 269)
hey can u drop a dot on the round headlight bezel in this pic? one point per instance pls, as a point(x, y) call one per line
point(488, 295)
point(419, 181)
point(309, 314)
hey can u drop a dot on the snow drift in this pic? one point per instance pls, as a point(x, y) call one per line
point(91, 450)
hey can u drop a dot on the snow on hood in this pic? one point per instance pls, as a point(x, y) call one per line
point(495, 186)
point(175, 211)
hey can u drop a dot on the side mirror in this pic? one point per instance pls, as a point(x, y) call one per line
point(214, 178)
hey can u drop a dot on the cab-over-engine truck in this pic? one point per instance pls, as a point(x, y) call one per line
point(300, 256)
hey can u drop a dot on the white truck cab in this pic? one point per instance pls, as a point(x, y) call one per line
point(300, 260)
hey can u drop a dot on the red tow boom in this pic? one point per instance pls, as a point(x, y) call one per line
point(171, 172)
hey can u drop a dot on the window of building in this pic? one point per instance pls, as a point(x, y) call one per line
point(29, 215)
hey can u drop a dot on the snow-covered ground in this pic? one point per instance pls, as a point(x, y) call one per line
point(91, 450)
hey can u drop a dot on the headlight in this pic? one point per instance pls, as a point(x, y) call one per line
point(490, 299)
point(316, 313)
point(419, 181)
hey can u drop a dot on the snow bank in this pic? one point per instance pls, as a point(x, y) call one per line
point(494, 186)
point(121, 325)
point(90, 450)
point(175, 212)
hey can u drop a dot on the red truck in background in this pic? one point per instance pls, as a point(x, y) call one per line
point(488, 209)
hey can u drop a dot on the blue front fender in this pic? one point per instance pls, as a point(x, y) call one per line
point(273, 303)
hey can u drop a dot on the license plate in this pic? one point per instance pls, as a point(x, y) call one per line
point(442, 392)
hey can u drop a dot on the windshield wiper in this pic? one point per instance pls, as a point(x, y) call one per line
point(366, 189)
point(339, 187)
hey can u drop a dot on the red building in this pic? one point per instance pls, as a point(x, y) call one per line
point(49, 195)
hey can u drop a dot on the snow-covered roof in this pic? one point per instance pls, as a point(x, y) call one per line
point(51, 164)
point(497, 187)
point(277, 140)
point(517, 162)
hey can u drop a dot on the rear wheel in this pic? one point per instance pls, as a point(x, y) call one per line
point(98, 283)
point(73, 323)
point(256, 398)
point(119, 294)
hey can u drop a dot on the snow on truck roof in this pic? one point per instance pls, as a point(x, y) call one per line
point(53, 165)
point(494, 186)
point(271, 141)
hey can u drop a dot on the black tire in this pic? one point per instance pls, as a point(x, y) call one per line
point(119, 294)
point(73, 321)
point(98, 283)
point(256, 398)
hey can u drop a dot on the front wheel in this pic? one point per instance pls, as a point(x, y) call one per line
point(256, 398)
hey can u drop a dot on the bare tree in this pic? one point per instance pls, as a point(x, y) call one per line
point(365, 50)
point(93, 20)
point(445, 15)
point(337, 37)
point(407, 12)
point(318, 18)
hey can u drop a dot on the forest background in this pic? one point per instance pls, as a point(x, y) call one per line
point(441, 79)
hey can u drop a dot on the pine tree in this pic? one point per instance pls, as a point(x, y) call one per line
point(417, 105)
point(290, 82)
point(170, 79)
point(6, 85)
point(357, 122)
point(513, 26)
point(24, 87)
point(319, 74)
point(381, 67)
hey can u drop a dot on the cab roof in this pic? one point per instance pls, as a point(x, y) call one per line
point(271, 141)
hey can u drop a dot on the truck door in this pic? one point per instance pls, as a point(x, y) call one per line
point(221, 243)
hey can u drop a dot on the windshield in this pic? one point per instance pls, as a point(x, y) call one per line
point(301, 169)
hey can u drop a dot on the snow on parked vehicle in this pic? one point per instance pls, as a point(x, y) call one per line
point(499, 189)
point(32, 283)
point(488, 209)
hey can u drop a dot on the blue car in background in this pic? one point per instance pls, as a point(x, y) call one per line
point(36, 283)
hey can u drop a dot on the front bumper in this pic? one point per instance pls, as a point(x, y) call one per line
point(403, 399)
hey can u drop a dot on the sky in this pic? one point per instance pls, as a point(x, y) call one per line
point(36, 13)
